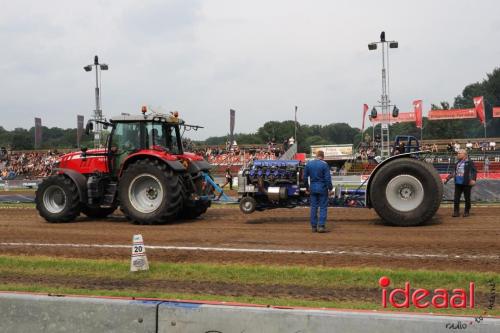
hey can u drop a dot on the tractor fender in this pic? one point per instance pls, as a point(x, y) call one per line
point(77, 178)
point(378, 167)
point(173, 164)
point(197, 166)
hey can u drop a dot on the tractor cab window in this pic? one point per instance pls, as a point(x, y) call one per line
point(127, 137)
point(162, 136)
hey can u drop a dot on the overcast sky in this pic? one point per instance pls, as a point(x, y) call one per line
point(259, 57)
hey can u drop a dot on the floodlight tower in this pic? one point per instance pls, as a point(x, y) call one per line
point(97, 116)
point(384, 99)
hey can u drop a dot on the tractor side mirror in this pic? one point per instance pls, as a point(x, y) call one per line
point(89, 128)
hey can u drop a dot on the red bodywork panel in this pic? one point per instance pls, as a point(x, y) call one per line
point(91, 164)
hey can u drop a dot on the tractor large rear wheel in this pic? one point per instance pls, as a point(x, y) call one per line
point(150, 193)
point(406, 192)
point(57, 199)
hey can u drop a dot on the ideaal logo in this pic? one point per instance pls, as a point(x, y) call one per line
point(441, 298)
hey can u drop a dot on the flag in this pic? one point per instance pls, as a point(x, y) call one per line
point(232, 120)
point(79, 129)
point(295, 125)
point(417, 108)
point(479, 105)
point(38, 133)
point(365, 110)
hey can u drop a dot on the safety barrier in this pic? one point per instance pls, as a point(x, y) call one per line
point(37, 313)
point(18, 184)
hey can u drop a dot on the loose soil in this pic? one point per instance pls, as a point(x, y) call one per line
point(356, 231)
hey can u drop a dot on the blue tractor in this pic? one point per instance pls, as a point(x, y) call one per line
point(404, 190)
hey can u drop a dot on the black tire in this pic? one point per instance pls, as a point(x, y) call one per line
point(191, 210)
point(406, 192)
point(97, 212)
point(57, 199)
point(165, 200)
point(248, 205)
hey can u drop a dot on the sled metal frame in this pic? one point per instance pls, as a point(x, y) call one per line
point(223, 197)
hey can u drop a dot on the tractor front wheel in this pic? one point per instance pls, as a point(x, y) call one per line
point(57, 199)
point(150, 193)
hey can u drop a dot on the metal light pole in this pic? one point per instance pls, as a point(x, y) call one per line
point(97, 112)
point(384, 99)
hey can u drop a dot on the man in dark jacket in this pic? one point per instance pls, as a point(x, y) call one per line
point(320, 184)
point(464, 175)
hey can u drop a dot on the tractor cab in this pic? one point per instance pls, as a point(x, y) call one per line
point(405, 144)
point(154, 134)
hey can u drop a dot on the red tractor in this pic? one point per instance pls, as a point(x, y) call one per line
point(143, 170)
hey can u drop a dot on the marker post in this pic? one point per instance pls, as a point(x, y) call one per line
point(139, 260)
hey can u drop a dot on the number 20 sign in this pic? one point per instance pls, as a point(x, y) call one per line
point(139, 261)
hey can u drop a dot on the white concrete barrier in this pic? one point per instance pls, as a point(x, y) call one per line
point(27, 313)
point(195, 318)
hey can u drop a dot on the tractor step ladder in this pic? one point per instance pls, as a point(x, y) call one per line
point(385, 150)
point(290, 153)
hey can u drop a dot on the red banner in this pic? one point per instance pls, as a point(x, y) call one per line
point(417, 108)
point(365, 109)
point(403, 117)
point(496, 112)
point(479, 104)
point(452, 114)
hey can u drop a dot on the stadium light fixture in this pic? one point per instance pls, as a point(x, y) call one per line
point(395, 111)
point(384, 98)
point(97, 112)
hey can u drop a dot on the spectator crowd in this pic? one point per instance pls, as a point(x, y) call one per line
point(26, 165)
point(235, 155)
point(475, 146)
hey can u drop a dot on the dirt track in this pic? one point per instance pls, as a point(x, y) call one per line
point(357, 238)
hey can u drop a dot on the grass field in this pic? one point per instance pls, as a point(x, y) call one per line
point(30, 268)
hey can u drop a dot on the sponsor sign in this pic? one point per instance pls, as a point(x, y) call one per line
point(496, 112)
point(403, 117)
point(452, 114)
point(334, 152)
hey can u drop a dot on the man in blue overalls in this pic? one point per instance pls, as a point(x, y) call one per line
point(318, 172)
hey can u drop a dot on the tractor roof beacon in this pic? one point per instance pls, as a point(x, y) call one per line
point(143, 169)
